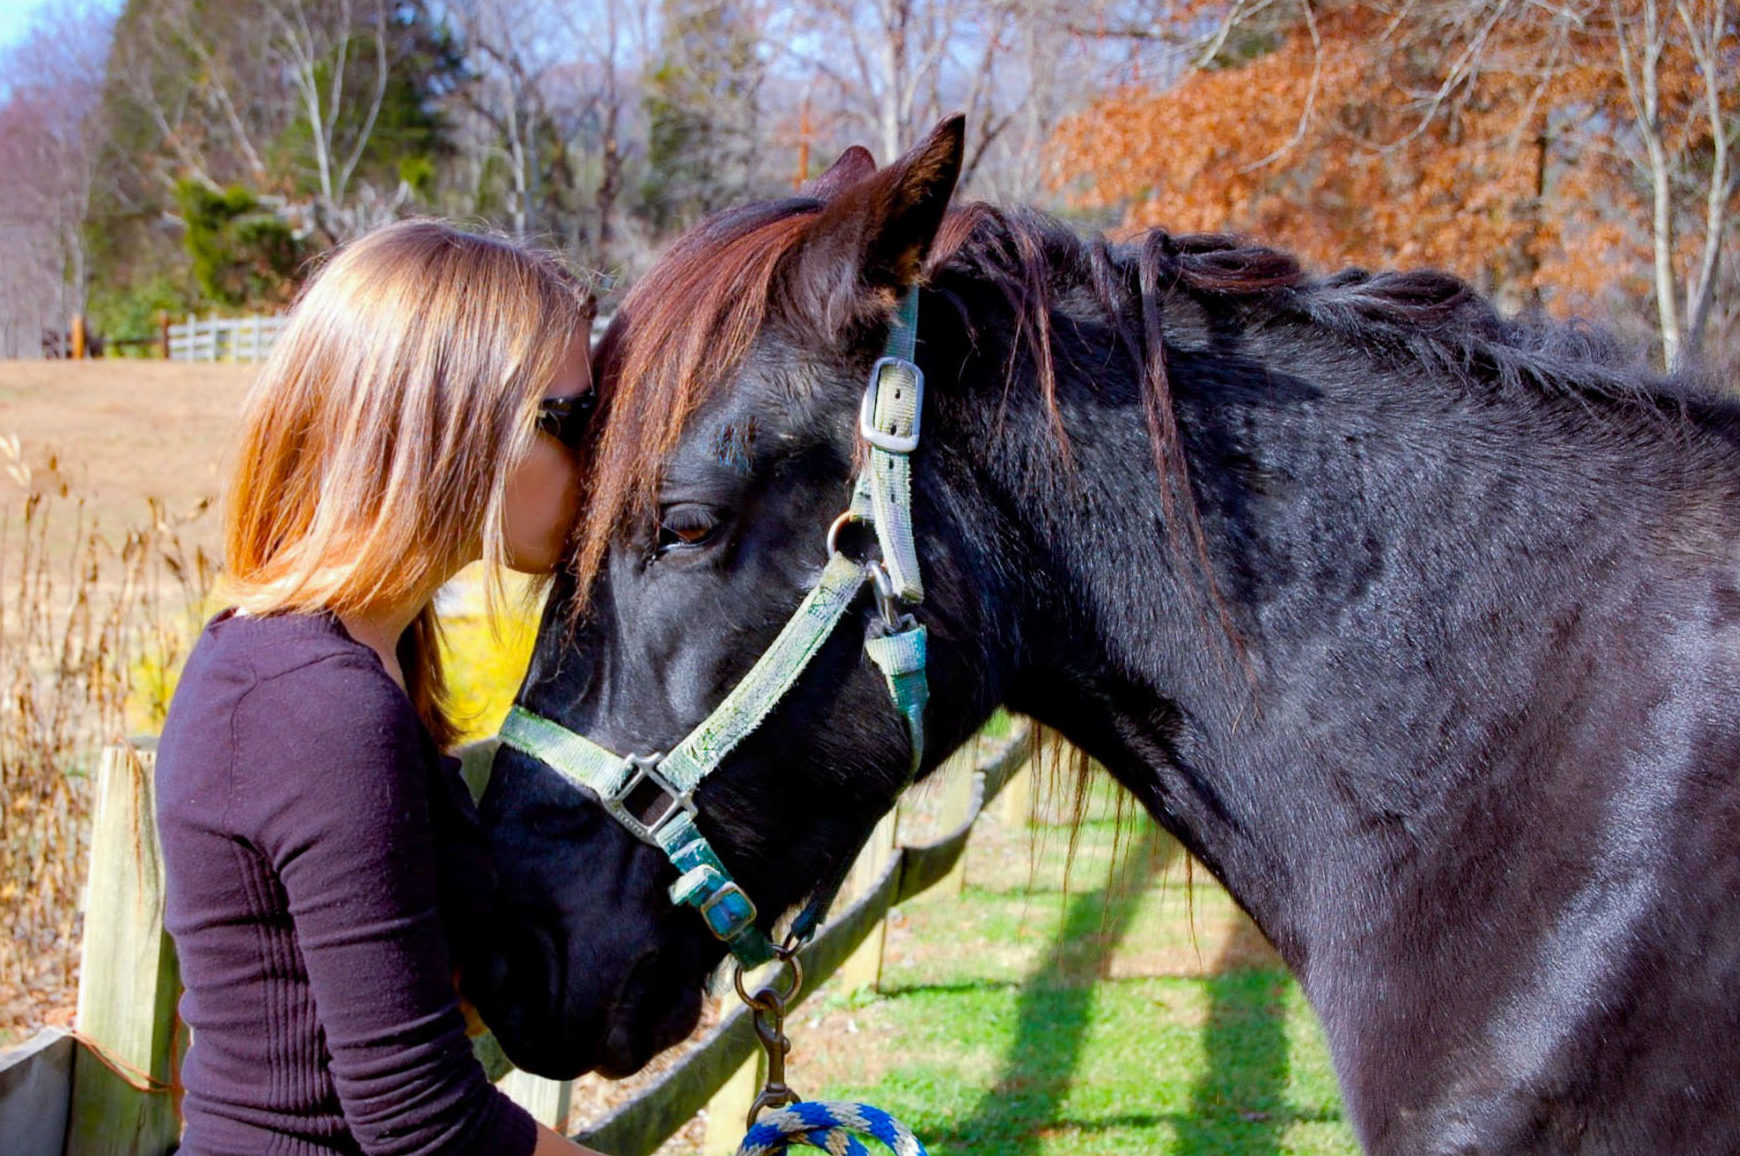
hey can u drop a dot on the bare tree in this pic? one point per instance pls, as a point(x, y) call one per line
point(336, 53)
point(514, 46)
point(598, 99)
point(892, 68)
point(1712, 29)
point(886, 59)
point(47, 164)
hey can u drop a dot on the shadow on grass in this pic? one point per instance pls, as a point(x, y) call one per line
point(1238, 1103)
point(1053, 1012)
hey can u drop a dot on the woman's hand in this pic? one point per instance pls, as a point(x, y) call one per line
point(553, 1143)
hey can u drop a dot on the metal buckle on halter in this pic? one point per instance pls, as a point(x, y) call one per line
point(650, 812)
point(729, 912)
point(891, 442)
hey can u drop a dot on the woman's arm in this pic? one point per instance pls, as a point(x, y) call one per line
point(333, 764)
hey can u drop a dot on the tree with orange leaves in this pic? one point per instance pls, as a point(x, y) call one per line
point(1550, 155)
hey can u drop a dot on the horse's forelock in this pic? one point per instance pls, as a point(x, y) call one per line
point(680, 336)
point(678, 339)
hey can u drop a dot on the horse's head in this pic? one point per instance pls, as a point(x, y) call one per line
point(731, 384)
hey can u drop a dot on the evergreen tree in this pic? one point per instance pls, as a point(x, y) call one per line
point(242, 253)
point(701, 105)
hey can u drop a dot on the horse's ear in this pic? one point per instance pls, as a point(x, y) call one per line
point(871, 238)
point(854, 165)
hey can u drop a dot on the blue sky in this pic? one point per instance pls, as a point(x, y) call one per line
point(15, 16)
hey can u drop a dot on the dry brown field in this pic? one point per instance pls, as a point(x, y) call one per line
point(118, 432)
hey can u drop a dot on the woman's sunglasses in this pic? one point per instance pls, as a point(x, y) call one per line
point(565, 418)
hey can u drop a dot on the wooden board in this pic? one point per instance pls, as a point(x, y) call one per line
point(36, 1093)
point(128, 978)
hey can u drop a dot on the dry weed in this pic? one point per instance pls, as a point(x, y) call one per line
point(90, 640)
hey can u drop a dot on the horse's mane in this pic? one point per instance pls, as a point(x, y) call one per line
point(682, 332)
point(1424, 316)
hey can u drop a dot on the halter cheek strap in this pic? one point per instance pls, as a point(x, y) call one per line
point(652, 796)
point(888, 421)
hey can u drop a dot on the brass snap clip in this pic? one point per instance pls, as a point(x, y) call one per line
point(768, 1007)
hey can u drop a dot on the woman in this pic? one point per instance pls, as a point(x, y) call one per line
point(419, 411)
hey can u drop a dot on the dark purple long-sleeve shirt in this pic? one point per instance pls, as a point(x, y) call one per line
point(300, 803)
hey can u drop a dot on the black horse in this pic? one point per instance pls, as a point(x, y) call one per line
point(1419, 627)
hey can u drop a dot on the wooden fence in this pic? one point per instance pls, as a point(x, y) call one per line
point(106, 1091)
point(223, 338)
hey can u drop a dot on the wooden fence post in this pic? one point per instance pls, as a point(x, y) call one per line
point(163, 334)
point(1015, 804)
point(546, 1100)
point(864, 967)
point(78, 337)
point(957, 806)
point(729, 1107)
point(128, 977)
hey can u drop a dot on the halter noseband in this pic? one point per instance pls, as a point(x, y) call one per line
point(652, 796)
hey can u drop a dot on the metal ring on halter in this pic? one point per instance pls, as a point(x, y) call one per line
point(790, 960)
point(840, 523)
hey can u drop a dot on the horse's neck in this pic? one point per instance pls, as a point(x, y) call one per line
point(1404, 582)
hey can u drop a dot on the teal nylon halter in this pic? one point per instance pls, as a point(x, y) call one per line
point(652, 796)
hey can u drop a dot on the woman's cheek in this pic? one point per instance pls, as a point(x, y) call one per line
point(543, 503)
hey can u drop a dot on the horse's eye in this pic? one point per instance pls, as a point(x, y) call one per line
point(685, 525)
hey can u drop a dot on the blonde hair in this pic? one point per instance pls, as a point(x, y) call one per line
point(376, 443)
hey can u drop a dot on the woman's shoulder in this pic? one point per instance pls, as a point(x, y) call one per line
point(282, 657)
point(296, 725)
point(285, 686)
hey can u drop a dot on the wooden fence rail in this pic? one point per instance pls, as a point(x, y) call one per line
point(59, 1097)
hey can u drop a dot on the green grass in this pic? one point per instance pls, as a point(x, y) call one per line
point(1135, 1012)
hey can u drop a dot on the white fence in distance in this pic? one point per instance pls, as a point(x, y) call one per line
point(223, 338)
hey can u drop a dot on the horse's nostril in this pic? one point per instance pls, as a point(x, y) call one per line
point(654, 1009)
point(679, 1022)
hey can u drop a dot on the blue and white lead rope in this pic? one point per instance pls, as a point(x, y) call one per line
point(829, 1125)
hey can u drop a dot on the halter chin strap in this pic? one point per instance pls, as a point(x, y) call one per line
point(653, 795)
